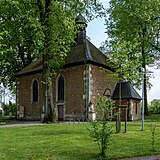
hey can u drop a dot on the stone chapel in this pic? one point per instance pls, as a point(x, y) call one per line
point(84, 77)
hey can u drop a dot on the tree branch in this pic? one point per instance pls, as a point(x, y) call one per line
point(154, 46)
point(41, 11)
point(47, 8)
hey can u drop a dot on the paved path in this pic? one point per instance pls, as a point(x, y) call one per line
point(152, 157)
point(16, 123)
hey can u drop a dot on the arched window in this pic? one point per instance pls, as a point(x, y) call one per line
point(35, 91)
point(61, 88)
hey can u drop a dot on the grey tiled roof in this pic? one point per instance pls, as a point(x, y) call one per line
point(82, 53)
point(80, 19)
point(127, 91)
point(34, 67)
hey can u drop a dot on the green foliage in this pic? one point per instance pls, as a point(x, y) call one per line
point(22, 38)
point(153, 135)
point(100, 130)
point(103, 108)
point(133, 31)
point(29, 29)
point(9, 108)
point(154, 106)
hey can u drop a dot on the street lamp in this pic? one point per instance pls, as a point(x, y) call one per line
point(143, 72)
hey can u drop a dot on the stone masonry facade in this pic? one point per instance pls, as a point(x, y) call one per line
point(32, 110)
point(74, 91)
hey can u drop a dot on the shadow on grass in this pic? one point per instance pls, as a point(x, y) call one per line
point(61, 129)
point(153, 118)
point(77, 154)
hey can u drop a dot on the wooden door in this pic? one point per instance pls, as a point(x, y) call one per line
point(60, 112)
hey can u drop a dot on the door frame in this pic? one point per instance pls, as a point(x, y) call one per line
point(63, 111)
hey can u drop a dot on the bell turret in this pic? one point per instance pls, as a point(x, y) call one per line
point(81, 35)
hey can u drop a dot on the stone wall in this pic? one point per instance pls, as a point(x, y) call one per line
point(32, 110)
point(74, 92)
point(136, 112)
point(133, 109)
point(101, 82)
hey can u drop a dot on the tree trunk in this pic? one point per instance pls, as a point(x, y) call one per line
point(144, 67)
point(44, 12)
point(45, 75)
point(118, 121)
point(145, 83)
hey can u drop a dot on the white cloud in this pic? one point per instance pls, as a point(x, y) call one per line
point(154, 92)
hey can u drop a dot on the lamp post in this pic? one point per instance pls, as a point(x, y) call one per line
point(0, 97)
point(143, 72)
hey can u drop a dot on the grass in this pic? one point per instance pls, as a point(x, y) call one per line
point(135, 142)
point(153, 117)
point(72, 142)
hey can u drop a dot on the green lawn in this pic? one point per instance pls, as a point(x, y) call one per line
point(72, 142)
point(153, 117)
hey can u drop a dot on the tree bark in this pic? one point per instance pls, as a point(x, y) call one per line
point(145, 84)
point(44, 12)
point(21, 54)
point(144, 30)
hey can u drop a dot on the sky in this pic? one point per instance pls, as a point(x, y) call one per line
point(96, 32)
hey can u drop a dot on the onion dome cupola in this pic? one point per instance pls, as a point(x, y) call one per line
point(81, 23)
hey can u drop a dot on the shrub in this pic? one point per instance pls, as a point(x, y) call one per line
point(153, 135)
point(154, 106)
point(9, 108)
point(101, 130)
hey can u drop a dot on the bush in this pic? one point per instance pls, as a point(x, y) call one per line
point(9, 108)
point(154, 106)
point(153, 135)
point(101, 130)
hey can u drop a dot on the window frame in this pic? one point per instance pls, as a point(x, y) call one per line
point(35, 98)
point(60, 96)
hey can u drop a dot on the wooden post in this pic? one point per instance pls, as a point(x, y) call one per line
point(125, 120)
point(125, 107)
point(118, 121)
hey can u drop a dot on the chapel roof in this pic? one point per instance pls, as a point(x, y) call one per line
point(80, 19)
point(83, 52)
point(35, 67)
point(127, 91)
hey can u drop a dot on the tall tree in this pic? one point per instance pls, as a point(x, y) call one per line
point(40, 28)
point(22, 37)
point(133, 29)
point(24, 28)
